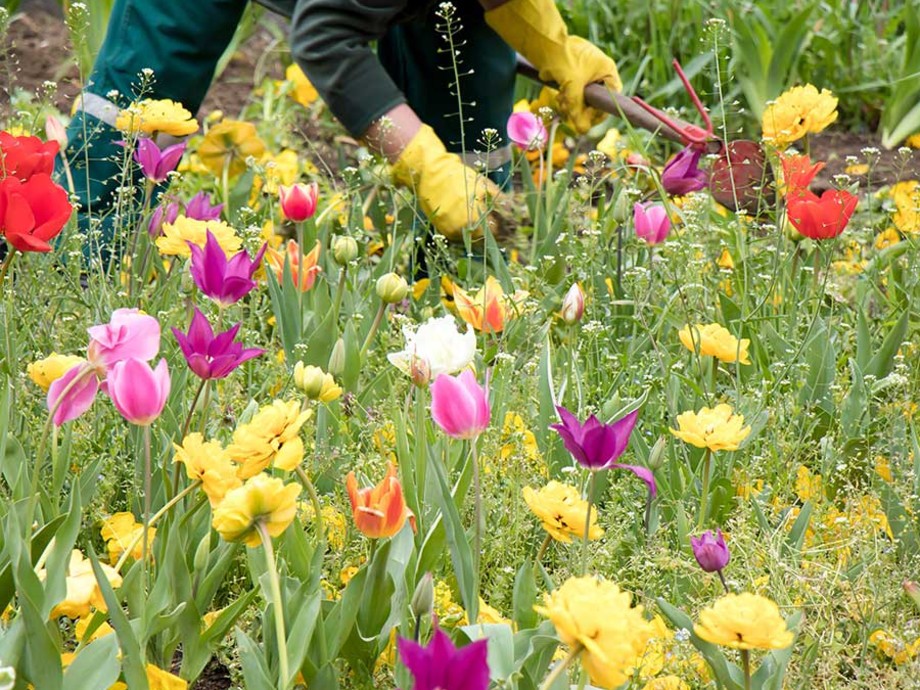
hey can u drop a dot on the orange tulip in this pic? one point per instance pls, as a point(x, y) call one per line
point(306, 272)
point(485, 311)
point(379, 511)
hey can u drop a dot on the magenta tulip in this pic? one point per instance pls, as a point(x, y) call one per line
point(162, 214)
point(710, 551)
point(526, 130)
point(682, 174)
point(224, 281)
point(459, 405)
point(128, 335)
point(156, 163)
point(199, 208)
point(652, 222)
point(298, 202)
point(210, 356)
point(138, 392)
point(441, 666)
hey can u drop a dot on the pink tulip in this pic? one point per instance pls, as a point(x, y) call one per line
point(652, 222)
point(459, 405)
point(527, 131)
point(128, 335)
point(138, 392)
point(79, 396)
point(298, 202)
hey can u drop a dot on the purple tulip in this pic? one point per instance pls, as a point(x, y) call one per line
point(199, 208)
point(710, 551)
point(162, 214)
point(226, 281)
point(598, 446)
point(156, 164)
point(652, 222)
point(210, 356)
point(441, 666)
point(682, 174)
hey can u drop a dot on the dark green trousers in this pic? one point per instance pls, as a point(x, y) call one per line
point(182, 42)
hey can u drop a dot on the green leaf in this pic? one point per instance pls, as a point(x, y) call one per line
point(792, 546)
point(524, 597)
point(341, 618)
point(500, 649)
point(300, 629)
point(881, 363)
point(252, 659)
point(96, 666)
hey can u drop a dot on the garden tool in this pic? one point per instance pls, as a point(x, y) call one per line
point(738, 178)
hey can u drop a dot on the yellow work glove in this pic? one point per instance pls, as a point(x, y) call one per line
point(452, 195)
point(535, 29)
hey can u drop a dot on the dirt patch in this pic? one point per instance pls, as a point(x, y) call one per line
point(887, 167)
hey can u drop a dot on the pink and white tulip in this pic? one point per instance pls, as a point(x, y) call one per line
point(138, 392)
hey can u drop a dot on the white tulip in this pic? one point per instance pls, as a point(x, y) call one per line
point(436, 348)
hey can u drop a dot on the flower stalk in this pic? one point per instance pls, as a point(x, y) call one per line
point(561, 667)
point(275, 585)
point(704, 496)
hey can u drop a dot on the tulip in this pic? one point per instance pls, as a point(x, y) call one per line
point(344, 249)
point(138, 392)
point(156, 163)
point(226, 281)
point(32, 212)
point(161, 215)
point(128, 335)
point(526, 130)
point(598, 446)
point(379, 511)
point(436, 347)
point(710, 551)
point(441, 666)
point(306, 273)
point(459, 405)
point(798, 174)
point(210, 356)
point(824, 217)
point(316, 383)
point(199, 208)
point(573, 304)
point(652, 222)
point(682, 174)
point(298, 201)
point(23, 157)
point(488, 309)
point(55, 131)
point(392, 288)
point(81, 387)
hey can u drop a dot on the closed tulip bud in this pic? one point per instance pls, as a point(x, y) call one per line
point(392, 288)
point(656, 456)
point(298, 202)
point(420, 371)
point(573, 304)
point(55, 131)
point(344, 249)
point(337, 358)
point(622, 209)
point(710, 551)
point(423, 599)
point(315, 383)
point(202, 555)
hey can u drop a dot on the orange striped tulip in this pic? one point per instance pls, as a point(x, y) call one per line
point(379, 511)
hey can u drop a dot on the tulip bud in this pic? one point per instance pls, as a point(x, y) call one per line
point(309, 379)
point(656, 456)
point(423, 599)
point(337, 358)
point(420, 371)
point(392, 288)
point(298, 202)
point(573, 304)
point(622, 209)
point(55, 131)
point(202, 555)
point(710, 551)
point(344, 249)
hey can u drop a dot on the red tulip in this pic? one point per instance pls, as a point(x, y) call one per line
point(298, 202)
point(23, 157)
point(32, 212)
point(798, 174)
point(824, 217)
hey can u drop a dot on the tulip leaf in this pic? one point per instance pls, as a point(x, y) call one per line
point(881, 363)
point(379, 588)
point(524, 596)
point(303, 611)
point(500, 647)
point(460, 552)
point(792, 546)
point(96, 666)
point(252, 659)
point(773, 666)
point(340, 620)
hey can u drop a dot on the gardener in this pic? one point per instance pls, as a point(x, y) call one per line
point(402, 101)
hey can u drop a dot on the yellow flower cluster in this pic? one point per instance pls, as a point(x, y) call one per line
point(717, 428)
point(597, 617)
point(334, 522)
point(228, 145)
point(152, 116)
point(744, 621)
point(520, 444)
point(562, 511)
point(176, 236)
point(44, 372)
point(799, 111)
point(209, 463)
point(261, 500)
point(906, 198)
point(272, 437)
point(121, 531)
point(890, 646)
point(715, 340)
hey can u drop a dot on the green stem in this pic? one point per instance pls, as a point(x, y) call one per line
point(584, 547)
point(153, 520)
point(6, 263)
point(145, 544)
point(746, 665)
point(318, 522)
point(185, 427)
point(704, 498)
point(381, 310)
point(477, 528)
point(205, 407)
point(340, 291)
point(560, 668)
point(543, 547)
point(275, 585)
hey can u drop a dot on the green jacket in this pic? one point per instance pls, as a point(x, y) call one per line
point(331, 41)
